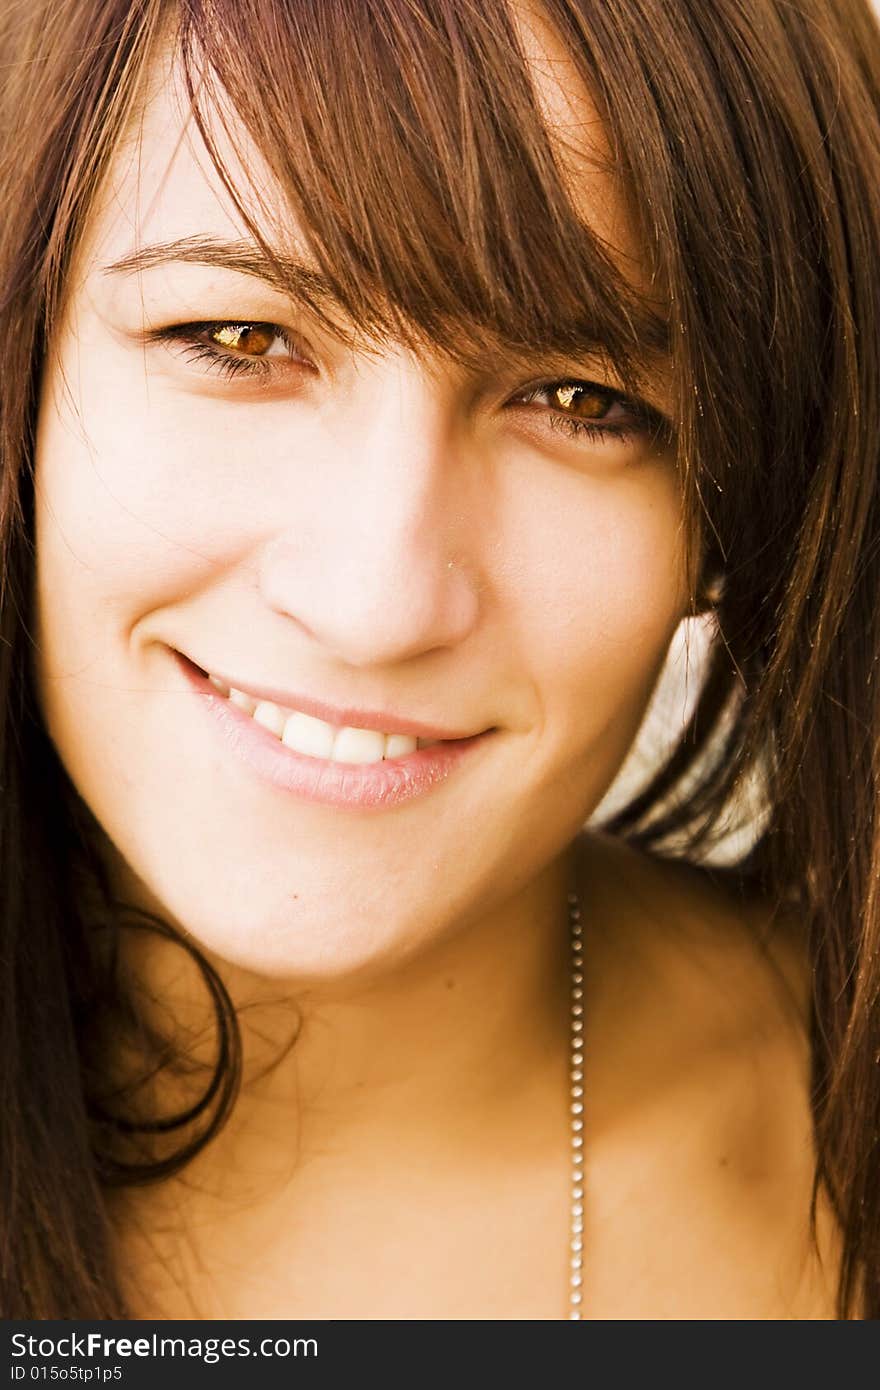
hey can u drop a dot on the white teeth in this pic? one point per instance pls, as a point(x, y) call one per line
point(270, 716)
point(398, 745)
point(358, 746)
point(242, 701)
point(307, 735)
point(316, 739)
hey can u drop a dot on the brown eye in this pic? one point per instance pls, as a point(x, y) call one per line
point(593, 413)
point(581, 400)
point(255, 339)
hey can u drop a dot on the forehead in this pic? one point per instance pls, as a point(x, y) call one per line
point(578, 134)
point(161, 183)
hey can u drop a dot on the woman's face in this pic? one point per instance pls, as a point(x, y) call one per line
point(388, 542)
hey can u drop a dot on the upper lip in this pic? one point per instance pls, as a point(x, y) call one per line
point(383, 721)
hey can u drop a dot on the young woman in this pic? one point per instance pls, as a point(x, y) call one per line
point(384, 384)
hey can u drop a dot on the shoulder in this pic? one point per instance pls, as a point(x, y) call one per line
point(737, 961)
point(699, 1034)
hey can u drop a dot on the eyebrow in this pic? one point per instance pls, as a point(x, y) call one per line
point(283, 272)
point(291, 276)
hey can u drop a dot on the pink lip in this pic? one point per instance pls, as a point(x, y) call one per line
point(371, 785)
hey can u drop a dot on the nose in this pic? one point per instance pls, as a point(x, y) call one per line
point(376, 562)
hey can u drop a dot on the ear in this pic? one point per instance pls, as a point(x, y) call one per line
point(710, 592)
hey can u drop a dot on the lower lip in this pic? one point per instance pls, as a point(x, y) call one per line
point(372, 786)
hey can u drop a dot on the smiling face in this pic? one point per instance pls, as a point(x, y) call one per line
point(376, 538)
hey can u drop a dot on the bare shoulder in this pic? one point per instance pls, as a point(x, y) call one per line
point(740, 961)
point(698, 1031)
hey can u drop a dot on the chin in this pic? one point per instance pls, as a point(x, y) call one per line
point(316, 936)
point(306, 951)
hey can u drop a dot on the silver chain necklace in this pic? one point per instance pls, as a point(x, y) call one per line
point(576, 1071)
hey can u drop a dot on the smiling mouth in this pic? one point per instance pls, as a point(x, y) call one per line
point(338, 763)
point(318, 738)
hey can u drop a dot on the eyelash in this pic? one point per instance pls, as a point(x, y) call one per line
point(226, 364)
point(641, 419)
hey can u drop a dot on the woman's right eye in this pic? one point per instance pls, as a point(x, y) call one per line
point(236, 348)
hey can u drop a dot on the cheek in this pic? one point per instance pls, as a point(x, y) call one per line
point(612, 593)
point(121, 530)
point(601, 590)
point(106, 524)
point(137, 494)
point(142, 498)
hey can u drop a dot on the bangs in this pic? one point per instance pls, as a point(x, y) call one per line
point(409, 144)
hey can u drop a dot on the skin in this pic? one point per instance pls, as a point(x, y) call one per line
point(524, 580)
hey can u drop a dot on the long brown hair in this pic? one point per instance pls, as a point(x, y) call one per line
point(747, 137)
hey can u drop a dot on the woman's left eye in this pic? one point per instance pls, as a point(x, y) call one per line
point(584, 409)
point(235, 348)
